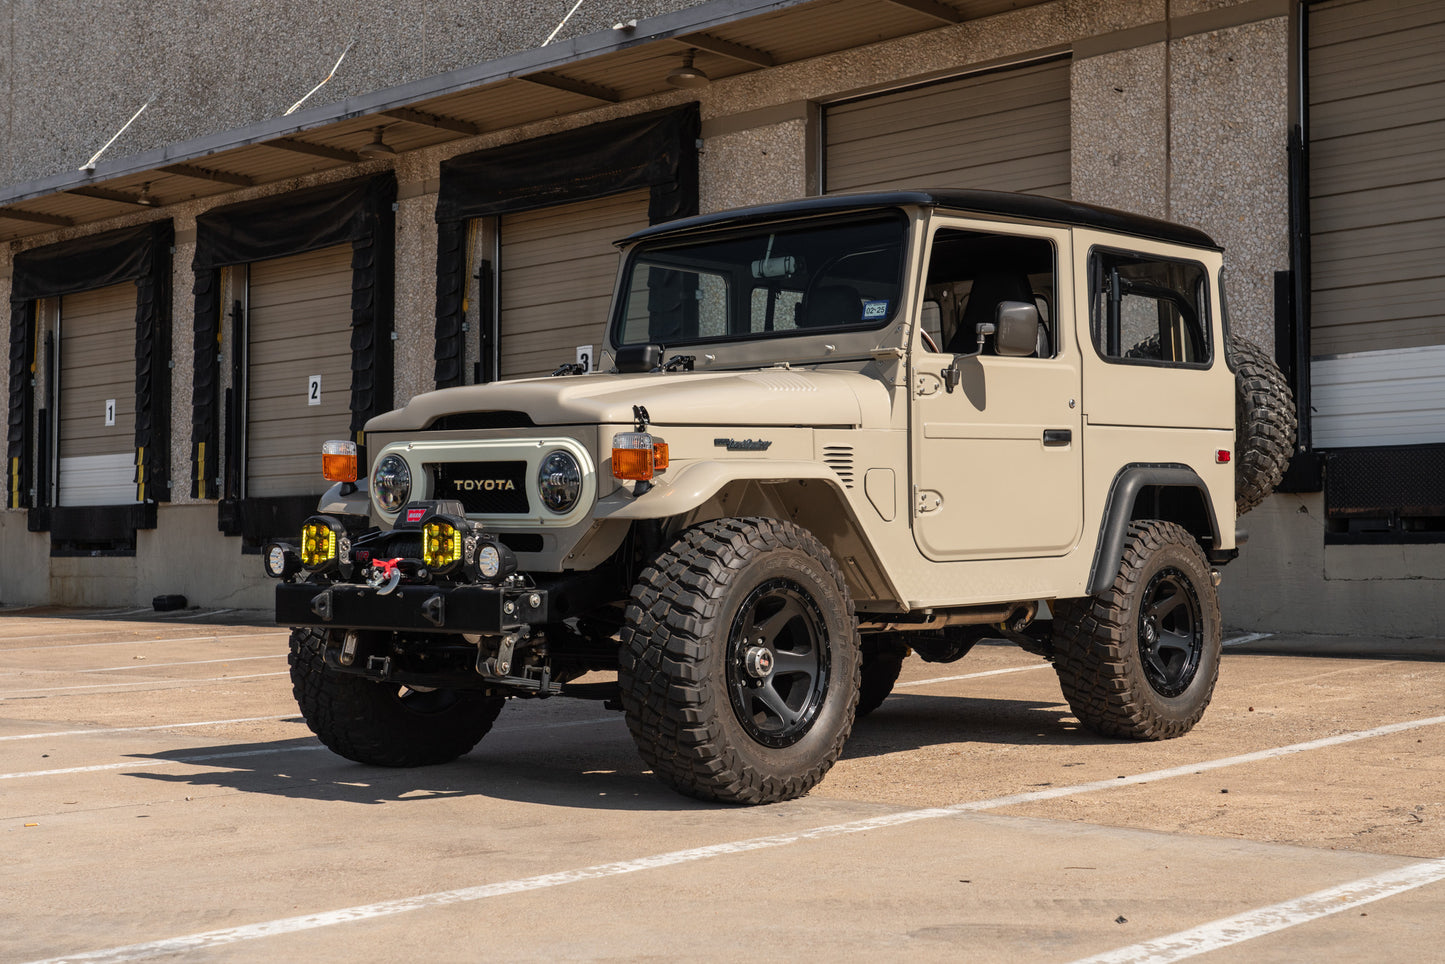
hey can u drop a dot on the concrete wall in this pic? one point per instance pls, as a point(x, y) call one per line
point(1191, 128)
point(73, 71)
point(1288, 580)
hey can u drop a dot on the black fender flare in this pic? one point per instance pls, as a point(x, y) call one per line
point(1124, 492)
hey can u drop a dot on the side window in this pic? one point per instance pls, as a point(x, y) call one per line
point(1149, 311)
point(971, 272)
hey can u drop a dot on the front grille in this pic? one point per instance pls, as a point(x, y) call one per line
point(483, 488)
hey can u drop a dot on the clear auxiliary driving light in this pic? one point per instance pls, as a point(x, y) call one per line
point(281, 560)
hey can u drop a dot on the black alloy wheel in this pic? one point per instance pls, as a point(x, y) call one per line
point(777, 663)
point(1171, 633)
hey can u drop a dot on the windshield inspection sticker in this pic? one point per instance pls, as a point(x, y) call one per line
point(873, 310)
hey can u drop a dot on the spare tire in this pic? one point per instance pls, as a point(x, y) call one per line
point(1265, 423)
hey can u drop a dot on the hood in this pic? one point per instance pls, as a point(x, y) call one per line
point(772, 396)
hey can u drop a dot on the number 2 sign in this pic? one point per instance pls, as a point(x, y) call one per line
point(313, 390)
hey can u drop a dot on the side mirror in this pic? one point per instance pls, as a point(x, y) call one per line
point(1016, 329)
point(638, 358)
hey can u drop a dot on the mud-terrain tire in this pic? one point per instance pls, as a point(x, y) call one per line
point(883, 655)
point(739, 662)
point(1265, 419)
point(1140, 659)
point(1265, 425)
point(384, 724)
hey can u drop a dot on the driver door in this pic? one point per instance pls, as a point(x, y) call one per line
point(997, 460)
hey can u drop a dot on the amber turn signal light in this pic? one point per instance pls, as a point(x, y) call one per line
point(338, 461)
point(633, 456)
point(638, 456)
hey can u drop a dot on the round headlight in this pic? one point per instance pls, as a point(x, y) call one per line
point(391, 483)
point(559, 481)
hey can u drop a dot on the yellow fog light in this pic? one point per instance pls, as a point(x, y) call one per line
point(320, 543)
point(441, 545)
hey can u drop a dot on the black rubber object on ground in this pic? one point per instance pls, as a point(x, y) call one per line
point(384, 724)
point(1140, 659)
point(739, 662)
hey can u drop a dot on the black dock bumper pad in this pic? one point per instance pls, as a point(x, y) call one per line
point(455, 609)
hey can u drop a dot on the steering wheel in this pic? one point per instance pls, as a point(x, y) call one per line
point(928, 342)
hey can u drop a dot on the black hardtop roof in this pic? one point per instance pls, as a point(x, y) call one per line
point(1032, 206)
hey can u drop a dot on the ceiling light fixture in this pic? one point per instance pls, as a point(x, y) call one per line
point(687, 75)
point(377, 147)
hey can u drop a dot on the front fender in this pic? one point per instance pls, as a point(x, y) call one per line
point(338, 501)
point(683, 489)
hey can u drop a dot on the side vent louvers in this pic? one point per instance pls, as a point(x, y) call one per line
point(840, 460)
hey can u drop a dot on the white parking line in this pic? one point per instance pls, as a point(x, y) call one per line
point(129, 667)
point(140, 729)
point(231, 935)
point(158, 684)
point(155, 762)
point(138, 642)
point(1277, 917)
point(593, 721)
point(991, 672)
point(189, 662)
point(213, 612)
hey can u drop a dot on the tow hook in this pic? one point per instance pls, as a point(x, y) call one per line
point(384, 575)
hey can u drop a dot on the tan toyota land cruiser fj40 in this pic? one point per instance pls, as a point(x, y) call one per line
point(830, 433)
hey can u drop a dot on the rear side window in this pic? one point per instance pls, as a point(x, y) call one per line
point(1149, 311)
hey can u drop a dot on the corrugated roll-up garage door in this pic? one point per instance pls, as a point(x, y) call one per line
point(558, 268)
point(299, 368)
point(1006, 130)
point(97, 397)
point(1377, 221)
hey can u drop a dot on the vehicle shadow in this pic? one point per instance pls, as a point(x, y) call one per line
point(591, 765)
point(911, 721)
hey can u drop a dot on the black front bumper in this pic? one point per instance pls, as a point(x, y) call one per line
point(487, 610)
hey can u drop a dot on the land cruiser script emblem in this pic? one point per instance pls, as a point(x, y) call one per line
point(743, 445)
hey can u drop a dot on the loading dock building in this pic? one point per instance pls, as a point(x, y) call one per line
point(229, 284)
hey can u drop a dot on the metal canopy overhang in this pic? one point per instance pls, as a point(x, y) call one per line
point(730, 37)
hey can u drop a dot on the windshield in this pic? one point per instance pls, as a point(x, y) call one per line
point(771, 282)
